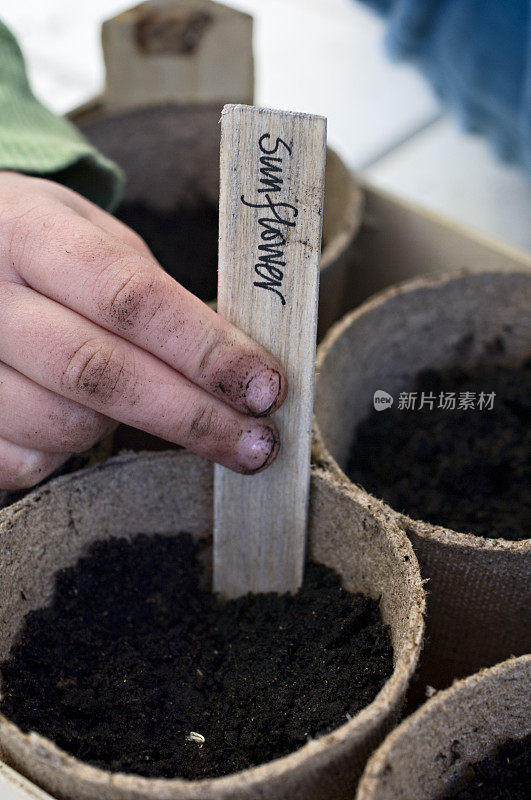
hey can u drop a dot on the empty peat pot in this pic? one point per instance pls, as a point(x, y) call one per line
point(430, 753)
point(172, 492)
point(170, 155)
point(479, 588)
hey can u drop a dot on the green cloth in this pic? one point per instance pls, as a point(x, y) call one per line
point(36, 142)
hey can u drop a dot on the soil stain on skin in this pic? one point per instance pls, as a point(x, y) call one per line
point(134, 667)
point(233, 378)
point(184, 241)
point(468, 470)
point(504, 776)
point(270, 437)
point(129, 304)
point(95, 372)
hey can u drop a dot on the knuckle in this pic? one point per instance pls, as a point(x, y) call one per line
point(203, 424)
point(131, 298)
point(80, 428)
point(97, 371)
point(127, 302)
point(213, 350)
point(25, 225)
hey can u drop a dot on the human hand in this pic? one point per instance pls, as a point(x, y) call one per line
point(93, 331)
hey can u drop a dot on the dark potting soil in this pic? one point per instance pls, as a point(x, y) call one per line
point(504, 776)
point(128, 438)
point(133, 658)
point(468, 470)
point(184, 241)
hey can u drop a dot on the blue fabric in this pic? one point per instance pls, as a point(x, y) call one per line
point(477, 56)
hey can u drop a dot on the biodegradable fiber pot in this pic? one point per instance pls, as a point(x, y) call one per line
point(429, 753)
point(172, 492)
point(170, 155)
point(159, 119)
point(479, 589)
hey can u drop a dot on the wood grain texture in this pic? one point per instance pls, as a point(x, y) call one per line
point(271, 199)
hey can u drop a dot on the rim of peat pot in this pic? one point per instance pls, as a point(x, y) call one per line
point(478, 586)
point(104, 500)
point(326, 352)
point(429, 752)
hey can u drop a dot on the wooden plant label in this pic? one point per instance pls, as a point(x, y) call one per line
point(271, 203)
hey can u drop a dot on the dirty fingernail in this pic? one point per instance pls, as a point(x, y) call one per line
point(262, 391)
point(257, 447)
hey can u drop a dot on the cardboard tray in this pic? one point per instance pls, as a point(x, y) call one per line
point(398, 240)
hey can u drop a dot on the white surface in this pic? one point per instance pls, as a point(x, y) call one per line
point(326, 58)
point(458, 175)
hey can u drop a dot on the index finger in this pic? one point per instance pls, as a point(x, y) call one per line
point(88, 269)
point(73, 357)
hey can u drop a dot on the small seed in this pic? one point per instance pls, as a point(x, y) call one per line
point(195, 737)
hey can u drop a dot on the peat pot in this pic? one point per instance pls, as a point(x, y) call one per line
point(172, 492)
point(478, 588)
point(428, 755)
point(159, 119)
point(170, 155)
